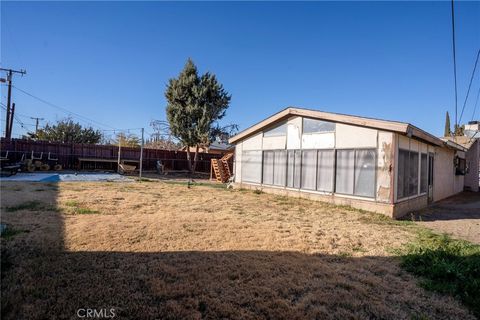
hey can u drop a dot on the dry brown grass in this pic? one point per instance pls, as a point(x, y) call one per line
point(160, 250)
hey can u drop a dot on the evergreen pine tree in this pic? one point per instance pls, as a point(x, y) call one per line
point(447, 131)
point(195, 104)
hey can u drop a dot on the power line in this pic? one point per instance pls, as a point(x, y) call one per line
point(469, 85)
point(63, 109)
point(454, 63)
point(476, 102)
point(22, 124)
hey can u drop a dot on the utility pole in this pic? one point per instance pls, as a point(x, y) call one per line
point(9, 118)
point(12, 114)
point(36, 123)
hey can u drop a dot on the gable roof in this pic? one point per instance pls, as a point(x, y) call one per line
point(392, 126)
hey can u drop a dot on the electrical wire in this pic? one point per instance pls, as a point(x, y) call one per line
point(63, 109)
point(454, 63)
point(469, 86)
point(476, 103)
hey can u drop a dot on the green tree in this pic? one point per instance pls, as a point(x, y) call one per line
point(447, 131)
point(67, 131)
point(127, 140)
point(195, 105)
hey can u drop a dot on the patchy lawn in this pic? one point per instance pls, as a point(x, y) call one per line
point(163, 250)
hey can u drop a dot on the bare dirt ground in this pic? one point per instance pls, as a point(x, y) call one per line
point(160, 250)
point(458, 216)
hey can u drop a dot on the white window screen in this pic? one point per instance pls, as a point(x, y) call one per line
point(365, 173)
point(251, 166)
point(407, 182)
point(325, 169)
point(317, 126)
point(402, 183)
point(309, 169)
point(297, 170)
point(423, 173)
point(413, 176)
point(268, 157)
point(279, 168)
point(345, 171)
point(290, 168)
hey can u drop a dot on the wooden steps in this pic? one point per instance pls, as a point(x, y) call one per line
point(221, 168)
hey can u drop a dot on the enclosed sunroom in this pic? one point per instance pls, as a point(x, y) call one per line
point(377, 165)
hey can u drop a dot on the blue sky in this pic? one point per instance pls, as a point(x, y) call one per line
point(111, 61)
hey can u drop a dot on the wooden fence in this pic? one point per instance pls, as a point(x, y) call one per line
point(68, 155)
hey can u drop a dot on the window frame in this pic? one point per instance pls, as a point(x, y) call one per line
point(319, 120)
point(418, 193)
point(375, 151)
point(266, 134)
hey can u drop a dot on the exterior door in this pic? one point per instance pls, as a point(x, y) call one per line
point(430, 177)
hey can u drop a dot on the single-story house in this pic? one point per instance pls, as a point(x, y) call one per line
point(383, 166)
point(472, 158)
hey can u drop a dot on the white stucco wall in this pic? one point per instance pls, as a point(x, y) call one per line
point(237, 162)
point(294, 133)
point(318, 141)
point(472, 157)
point(274, 143)
point(347, 136)
point(253, 142)
point(385, 156)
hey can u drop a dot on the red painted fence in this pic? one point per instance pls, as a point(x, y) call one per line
point(68, 155)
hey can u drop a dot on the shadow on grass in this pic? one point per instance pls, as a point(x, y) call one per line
point(41, 279)
point(446, 265)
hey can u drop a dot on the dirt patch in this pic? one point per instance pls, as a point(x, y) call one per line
point(458, 216)
point(163, 250)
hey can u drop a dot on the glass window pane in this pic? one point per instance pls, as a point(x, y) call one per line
point(316, 126)
point(297, 170)
point(309, 169)
point(365, 173)
point(280, 130)
point(423, 173)
point(413, 176)
point(268, 157)
point(325, 168)
point(401, 175)
point(345, 169)
point(280, 167)
point(290, 168)
point(252, 166)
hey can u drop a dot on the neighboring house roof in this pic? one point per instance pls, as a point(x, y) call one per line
point(393, 126)
point(217, 145)
point(462, 141)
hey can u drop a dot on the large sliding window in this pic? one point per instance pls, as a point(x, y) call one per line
point(309, 169)
point(325, 170)
point(353, 174)
point(356, 172)
point(294, 166)
point(252, 166)
point(274, 167)
point(345, 171)
point(365, 173)
point(280, 168)
point(423, 173)
point(268, 157)
point(407, 184)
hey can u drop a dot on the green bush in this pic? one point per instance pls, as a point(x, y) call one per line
point(447, 266)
